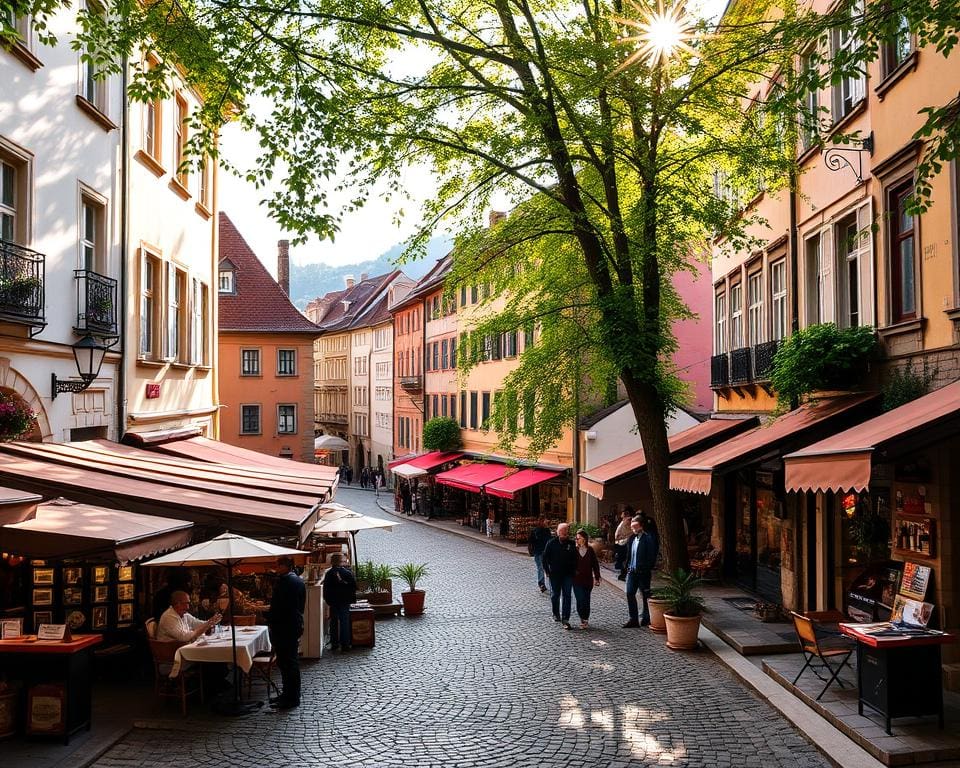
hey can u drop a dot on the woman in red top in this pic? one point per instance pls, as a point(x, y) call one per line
point(586, 575)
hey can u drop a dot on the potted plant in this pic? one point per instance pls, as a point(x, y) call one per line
point(410, 574)
point(16, 419)
point(658, 604)
point(684, 607)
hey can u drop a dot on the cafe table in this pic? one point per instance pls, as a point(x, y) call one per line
point(218, 648)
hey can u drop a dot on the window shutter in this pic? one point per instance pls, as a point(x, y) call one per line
point(865, 262)
point(827, 271)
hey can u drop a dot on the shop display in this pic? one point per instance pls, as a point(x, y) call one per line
point(41, 617)
point(125, 573)
point(72, 595)
point(43, 596)
point(71, 575)
point(915, 535)
point(124, 613)
point(101, 594)
point(43, 575)
point(125, 592)
point(76, 619)
point(99, 617)
point(101, 574)
point(916, 579)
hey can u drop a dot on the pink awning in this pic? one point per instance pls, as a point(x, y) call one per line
point(426, 461)
point(507, 487)
point(472, 477)
point(842, 462)
point(695, 474)
point(683, 443)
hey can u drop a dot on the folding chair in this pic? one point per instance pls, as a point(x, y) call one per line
point(814, 647)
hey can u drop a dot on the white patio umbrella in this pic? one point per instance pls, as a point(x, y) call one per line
point(330, 443)
point(227, 549)
point(408, 471)
point(336, 518)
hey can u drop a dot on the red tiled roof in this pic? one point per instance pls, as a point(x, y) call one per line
point(359, 296)
point(431, 281)
point(258, 304)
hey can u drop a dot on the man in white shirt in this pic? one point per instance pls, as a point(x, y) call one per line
point(176, 625)
point(619, 543)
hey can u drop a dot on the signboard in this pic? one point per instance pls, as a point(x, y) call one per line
point(53, 632)
point(153, 391)
point(916, 579)
point(11, 628)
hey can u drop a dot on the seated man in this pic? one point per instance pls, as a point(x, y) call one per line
point(178, 626)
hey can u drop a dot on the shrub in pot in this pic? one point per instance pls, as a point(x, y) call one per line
point(684, 607)
point(658, 604)
point(410, 574)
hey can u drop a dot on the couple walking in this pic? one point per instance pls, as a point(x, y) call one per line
point(571, 565)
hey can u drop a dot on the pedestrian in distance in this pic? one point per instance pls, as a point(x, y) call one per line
point(378, 482)
point(285, 620)
point(559, 563)
point(364, 474)
point(536, 543)
point(620, 537)
point(586, 576)
point(641, 558)
point(339, 592)
point(406, 498)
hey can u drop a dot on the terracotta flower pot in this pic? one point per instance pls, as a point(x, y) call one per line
point(682, 632)
point(413, 602)
point(657, 609)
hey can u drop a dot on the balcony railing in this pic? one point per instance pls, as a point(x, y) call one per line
point(332, 418)
point(719, 370)
point(96, 303)
point(763, 359)
point(740, 372)
point(411, 383)
point(21, 285)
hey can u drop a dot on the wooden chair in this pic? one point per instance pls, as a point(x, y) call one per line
point(263, 665)
point(814, 647)
point(705, 565)
point(165, 687)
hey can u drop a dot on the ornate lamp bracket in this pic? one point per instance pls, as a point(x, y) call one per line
point(836, 158)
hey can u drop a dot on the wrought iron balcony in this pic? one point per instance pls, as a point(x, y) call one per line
point(740, 365)
point(22, 273)
point(332, 418)
point(411, 383)
point(96, 303)
point(719, 370)
point(763, 359)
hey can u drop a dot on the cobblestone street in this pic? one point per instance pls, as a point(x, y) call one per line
point(486, 678)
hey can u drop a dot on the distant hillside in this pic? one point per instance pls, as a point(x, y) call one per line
point(308, 281)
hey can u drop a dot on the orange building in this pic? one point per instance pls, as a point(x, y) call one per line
point(408, 330)
point(266, 354)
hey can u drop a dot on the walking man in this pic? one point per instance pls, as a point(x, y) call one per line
point(559, 563)
point(641, 558)
point(539, 536)
point(285, 619)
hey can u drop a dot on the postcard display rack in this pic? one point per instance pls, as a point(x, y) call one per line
point(96, 597)
point(914, 521)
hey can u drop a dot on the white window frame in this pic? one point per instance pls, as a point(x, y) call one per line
point(225, 281)
point(151, 296)
point(736, 316)
point(91, 88)
point(198, 301)
point(720, 325)
point(778, 299)
point(755, 308)
point(243, 360)
point(852, 89)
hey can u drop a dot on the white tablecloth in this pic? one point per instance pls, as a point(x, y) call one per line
point(250, 642)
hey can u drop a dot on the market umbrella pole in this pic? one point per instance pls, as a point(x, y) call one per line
point(235, 707)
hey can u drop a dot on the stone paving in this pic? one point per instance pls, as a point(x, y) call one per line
point(486, 678)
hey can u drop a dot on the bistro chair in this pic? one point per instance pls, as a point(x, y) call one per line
point(165, 687)
point(814, 647)
point(263, 665)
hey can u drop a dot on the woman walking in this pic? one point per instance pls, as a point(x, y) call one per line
point(586, 575)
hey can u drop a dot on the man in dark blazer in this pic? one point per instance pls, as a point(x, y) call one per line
point(641, 557)
point(559, 563)
point(285, 619)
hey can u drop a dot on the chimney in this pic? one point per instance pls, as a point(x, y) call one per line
point(348, 279)
point(363, 276)
point(496, 217)
point(283, 265)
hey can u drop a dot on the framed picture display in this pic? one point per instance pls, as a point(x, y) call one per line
point(42, 617)
point(125, 573)
point(72, 595)
point(124, 613)
point(38, 562)
point(101, 593)
point(43, 576)
point(75, 619)
point(99, 620)
point(43, 596)
point(125, 592)
point(101, 574)
point(72, 575)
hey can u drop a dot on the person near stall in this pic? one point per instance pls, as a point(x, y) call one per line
point(285, 620)
point(339, 592)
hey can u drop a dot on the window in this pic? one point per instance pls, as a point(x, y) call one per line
point(473, 410)
point(474, 294)
point(249, 419)
point(453, 352)
point(720, 330)
point(755, 308)
point(249, 362)
point(444, 354)
point(528, 336)
point(180, 141)
point(93, 86)
point(848, 274)
point(463, 409)
point(198, 323)
point(286, 419)
point(736, 316)
point(510, 344)
point(14, 196)
point(902, 254)
point(778, 292)
point(203, 190)
point(453, 407)
point(435, 357)
point(810, 132)
point(153, 124)
point(176, 311)
point(19, 24)
point(816, 311)
point(92, 250)
point(529, 412)
point(851, 89)
point(485, 413)
point(435, 405)
point(898, 48)
point(286, 362)
point(149, 306)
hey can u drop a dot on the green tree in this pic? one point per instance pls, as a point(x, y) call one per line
point(441, 434)
point(610, 150)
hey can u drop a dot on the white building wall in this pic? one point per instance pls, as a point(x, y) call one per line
point(381, 421)
point(360, 393)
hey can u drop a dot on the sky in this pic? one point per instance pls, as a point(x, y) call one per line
point(364, 234)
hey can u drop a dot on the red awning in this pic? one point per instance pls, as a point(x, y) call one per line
point(842, 462)
point(472, 477)
point(781, 435)
point(507, 487)
point(426, 461)
point(681, 444)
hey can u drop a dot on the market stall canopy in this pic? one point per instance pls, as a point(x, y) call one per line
point(685, 443)
point(842, 462)
point(779, 436)
point(472, 477)
point(68, 529)
point(335, 518)
point(509, 486)
point(202, 493)
point(409, 471)
point(330, 443)
point(225, 549)
point(426, 461)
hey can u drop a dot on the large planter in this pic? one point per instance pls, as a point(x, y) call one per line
point(382, 595)
point(413, 602)
point(682, 632)
point(657, 609)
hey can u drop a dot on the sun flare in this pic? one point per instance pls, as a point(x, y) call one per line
point(660, 33)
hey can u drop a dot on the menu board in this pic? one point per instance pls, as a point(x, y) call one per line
point(916, 579)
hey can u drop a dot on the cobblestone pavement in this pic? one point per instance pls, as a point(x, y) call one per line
point(486, 678)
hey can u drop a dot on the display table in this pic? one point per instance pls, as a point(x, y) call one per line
point(899, 674)
point(57, 681)
point(219, 649)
